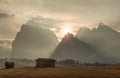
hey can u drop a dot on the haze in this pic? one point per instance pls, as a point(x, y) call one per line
point(54, 15)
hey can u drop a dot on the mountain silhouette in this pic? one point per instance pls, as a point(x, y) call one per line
point(72, 48)
point(104, 39)
point(33, 42)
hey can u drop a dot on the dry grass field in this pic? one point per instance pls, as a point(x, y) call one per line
point(62, 72)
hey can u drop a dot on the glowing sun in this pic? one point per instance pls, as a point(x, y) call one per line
point(65, 30)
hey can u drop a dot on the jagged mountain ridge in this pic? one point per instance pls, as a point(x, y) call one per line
point(98, 45)
point(105, 39)
point(72, 48)
point(33, 42)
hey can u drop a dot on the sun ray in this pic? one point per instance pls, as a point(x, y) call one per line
point(65, 30)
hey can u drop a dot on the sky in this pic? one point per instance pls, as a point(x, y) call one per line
point(56, 15)
point(63, 13)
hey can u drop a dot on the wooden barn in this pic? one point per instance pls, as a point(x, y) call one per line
point(9, 65)
point(43, 63)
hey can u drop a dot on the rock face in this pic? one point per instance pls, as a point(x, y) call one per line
point(33, 42)
point(104, 39)
point(72, 48)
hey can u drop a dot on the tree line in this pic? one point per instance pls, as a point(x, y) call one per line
point(71, 62)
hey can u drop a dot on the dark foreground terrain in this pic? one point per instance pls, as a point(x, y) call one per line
point(62, 72)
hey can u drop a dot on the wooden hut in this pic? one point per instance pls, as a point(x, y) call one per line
point(9, 65)
point(43, 63)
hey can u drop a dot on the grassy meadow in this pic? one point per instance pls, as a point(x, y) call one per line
point(62, 72)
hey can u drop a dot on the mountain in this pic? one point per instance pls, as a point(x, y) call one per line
point(104, 39)
point(33, 42)
point(72, 48)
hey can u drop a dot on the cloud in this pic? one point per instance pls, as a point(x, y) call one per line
point(6, 15)
point(75, 12)
point(8, 27)
point(74, 7)
point(81, 12)
point(2, 15)
point(6, 43)
point(46, 23)
point(6, 5)
point(92, 10)
point(5, 48)
point(42, 22)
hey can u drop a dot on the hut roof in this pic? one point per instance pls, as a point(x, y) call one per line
point(45, 59)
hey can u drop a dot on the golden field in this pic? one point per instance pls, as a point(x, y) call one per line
point(62, 72)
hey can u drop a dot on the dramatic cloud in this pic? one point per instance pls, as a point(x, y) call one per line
point(75, 12)
point(42, 22)
point(92, 10)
